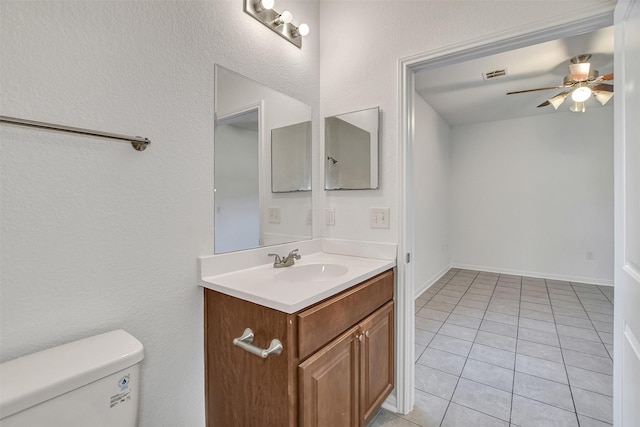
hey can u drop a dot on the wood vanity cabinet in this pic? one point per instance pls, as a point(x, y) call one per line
point(336, 368)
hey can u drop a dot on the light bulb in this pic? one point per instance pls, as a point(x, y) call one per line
point(303, 29)
point(261, 5)
point(581, 94)
point(300, 31)
point(285, 18)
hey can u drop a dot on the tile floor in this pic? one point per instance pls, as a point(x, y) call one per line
point(502, 350)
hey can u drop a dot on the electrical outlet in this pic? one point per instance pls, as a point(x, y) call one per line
point(379, 217)
point(588, 255)
point(274, 215)
point(309, 216)
point(330, 216)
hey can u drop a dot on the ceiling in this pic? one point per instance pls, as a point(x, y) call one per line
point(461, 95)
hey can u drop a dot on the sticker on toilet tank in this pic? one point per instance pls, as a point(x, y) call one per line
point(125, 392)
point(120, 398)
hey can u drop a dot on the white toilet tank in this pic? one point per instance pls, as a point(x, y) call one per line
point(93, 382)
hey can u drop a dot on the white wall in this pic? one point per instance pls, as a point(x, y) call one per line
point(97, 236)
point(533, 195)
point(361, 45)
point(431, 196)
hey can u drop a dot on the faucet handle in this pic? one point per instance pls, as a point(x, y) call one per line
point(294, 254)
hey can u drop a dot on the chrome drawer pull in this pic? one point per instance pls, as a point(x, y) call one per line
point(246, 339)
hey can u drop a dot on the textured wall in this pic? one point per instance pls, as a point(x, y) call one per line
point(96, 236)
point(534, 195)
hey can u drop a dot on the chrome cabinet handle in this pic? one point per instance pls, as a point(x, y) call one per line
point(245, 342)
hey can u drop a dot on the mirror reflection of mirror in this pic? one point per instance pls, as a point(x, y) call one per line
point(351, 150)
point(247, 213)
point(291, 158)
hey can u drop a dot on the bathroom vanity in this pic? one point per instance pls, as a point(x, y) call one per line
point(337, 362)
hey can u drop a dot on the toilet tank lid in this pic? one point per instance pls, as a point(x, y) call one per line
point(37, 377)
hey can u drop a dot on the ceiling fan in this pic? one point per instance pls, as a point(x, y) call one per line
point(580, 84)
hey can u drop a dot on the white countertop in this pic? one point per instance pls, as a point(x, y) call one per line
point(261, 285)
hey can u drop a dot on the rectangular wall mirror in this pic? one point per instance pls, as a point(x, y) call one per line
point(248, 214)
point(291, 158)
point(351, 150)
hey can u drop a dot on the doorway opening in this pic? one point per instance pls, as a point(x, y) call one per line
point(408, 67)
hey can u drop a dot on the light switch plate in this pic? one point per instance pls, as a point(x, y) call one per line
point(330, 216)
point(274, 215)
point(379, 218)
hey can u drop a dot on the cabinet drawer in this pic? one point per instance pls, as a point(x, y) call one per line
point(325, 321)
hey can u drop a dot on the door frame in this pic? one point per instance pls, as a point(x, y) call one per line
point(582, 21)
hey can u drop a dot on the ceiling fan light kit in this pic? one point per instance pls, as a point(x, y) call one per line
point(579, 71)
point(580, 83)
point(602, 96)
point(557, 100)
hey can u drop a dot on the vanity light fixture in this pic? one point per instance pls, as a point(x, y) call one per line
point(280, 23)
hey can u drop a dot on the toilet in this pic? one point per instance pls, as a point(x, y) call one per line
point(91, 382)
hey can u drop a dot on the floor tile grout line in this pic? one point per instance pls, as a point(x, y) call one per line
point(515, 358)
point(545, 403)
point(594, 326)
point(459, 376)
point(566, 372)
point(590, 391)
point(563, 363)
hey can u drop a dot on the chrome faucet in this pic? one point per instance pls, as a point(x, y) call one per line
point(287, 261)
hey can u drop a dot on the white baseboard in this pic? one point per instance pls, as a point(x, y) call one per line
point(426, 285)
point(551, 276)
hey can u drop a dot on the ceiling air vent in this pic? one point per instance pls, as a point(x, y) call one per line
point(494, 74)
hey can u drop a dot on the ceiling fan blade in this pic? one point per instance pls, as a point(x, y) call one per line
point(535, 90)
point(604, 87)
point(606, 77)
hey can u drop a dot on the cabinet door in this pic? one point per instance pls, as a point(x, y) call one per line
point(376, 360)
point(328, 384)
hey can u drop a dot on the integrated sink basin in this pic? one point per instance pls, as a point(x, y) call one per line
point(315, 277)
point(312, 272)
